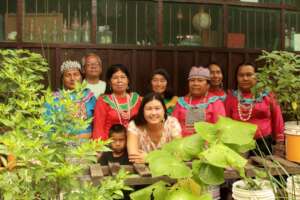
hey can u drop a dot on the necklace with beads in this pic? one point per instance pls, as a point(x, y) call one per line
point(122, 114)
point(244, 116)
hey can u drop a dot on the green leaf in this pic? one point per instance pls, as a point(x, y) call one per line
point(211, 175)
point(222, 156)
point(185, 195)
point(235, 132)
point(171, 167)
point(158, 188)
point(242, 148)
point(185, 148)
point(207, 131)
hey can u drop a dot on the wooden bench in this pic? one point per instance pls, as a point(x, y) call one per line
point(143, 174)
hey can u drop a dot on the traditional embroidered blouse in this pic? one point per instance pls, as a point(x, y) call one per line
point(220, 93)
point(170, 104)
point(86, 109)
point(171, 131)
point(106, 113)
point(265, 113)
point(213, 107)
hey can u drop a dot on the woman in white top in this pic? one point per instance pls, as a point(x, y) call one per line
point(151, 128)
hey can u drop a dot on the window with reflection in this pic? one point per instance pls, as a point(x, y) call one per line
point(57, 21)
point(253, 28)
point(8, 23)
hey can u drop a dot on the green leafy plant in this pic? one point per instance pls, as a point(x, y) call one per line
point(212, 149)
point(46, 162)
point(280, 75)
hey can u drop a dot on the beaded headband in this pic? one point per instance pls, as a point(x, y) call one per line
point(199, 72)
point(69, 64)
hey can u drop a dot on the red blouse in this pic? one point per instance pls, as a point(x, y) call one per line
point(106, 113)
point(266, 114)
point(214, 108)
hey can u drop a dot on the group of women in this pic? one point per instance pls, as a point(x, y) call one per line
point(160, 116)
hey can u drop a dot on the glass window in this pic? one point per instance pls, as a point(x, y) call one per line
point(57, 21)
point(253, 28)
point(292, 27)
point(187, 24)
point(8, 22)
point(292, 20)
point(126, 22)
point(291, 2)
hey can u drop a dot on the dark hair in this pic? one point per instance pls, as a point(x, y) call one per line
point(139, 119)
point(109, 73)
point(238, 68)
point(168, 94)
point(214, 63)
point(117, 128)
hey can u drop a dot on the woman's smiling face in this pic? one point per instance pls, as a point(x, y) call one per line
point(154, 112)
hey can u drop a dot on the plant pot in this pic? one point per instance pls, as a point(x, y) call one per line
point(239, 193)
point(292, 133)
point(293, 187)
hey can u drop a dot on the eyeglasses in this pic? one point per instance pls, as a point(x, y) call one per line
point(92, 64)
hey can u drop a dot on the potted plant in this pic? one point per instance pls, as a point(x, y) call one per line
point(213, 149)
point(280, 75)
point(293, 187)
point(40, 169)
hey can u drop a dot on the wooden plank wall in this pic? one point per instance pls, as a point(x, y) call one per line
point(141, 63)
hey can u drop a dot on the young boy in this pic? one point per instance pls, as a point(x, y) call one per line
point(117, 134)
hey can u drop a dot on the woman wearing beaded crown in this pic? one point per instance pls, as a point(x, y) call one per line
point(199, 104)
point(70, 75)
point(261, 109)
point(118, 105)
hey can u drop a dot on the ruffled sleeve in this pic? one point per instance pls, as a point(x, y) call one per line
point(100, 115)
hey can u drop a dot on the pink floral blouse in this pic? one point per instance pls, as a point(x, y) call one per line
point(171, 131)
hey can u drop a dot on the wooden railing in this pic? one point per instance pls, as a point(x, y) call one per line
point(273, 164)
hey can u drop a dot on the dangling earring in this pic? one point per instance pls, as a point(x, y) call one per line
point(128, 89)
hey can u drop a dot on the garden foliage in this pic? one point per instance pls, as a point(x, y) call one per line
point(38, 159)
point(212, 149)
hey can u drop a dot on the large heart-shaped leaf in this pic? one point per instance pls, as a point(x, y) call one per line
point(207, 131)
point(222, 156)
point(163, 163)
point(206, 173)
point(242, 148)
point(235, 132)
point(185, 148)
point(159, 191)
point(211, 175)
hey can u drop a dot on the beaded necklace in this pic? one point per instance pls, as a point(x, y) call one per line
point(246, 108)
point(122, 114)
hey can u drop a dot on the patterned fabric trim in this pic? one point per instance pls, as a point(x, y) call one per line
point(87, 95)
point(223, 98)
point(134, 97)
point(250, 100)
point(184, 104)
point(171, 102)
